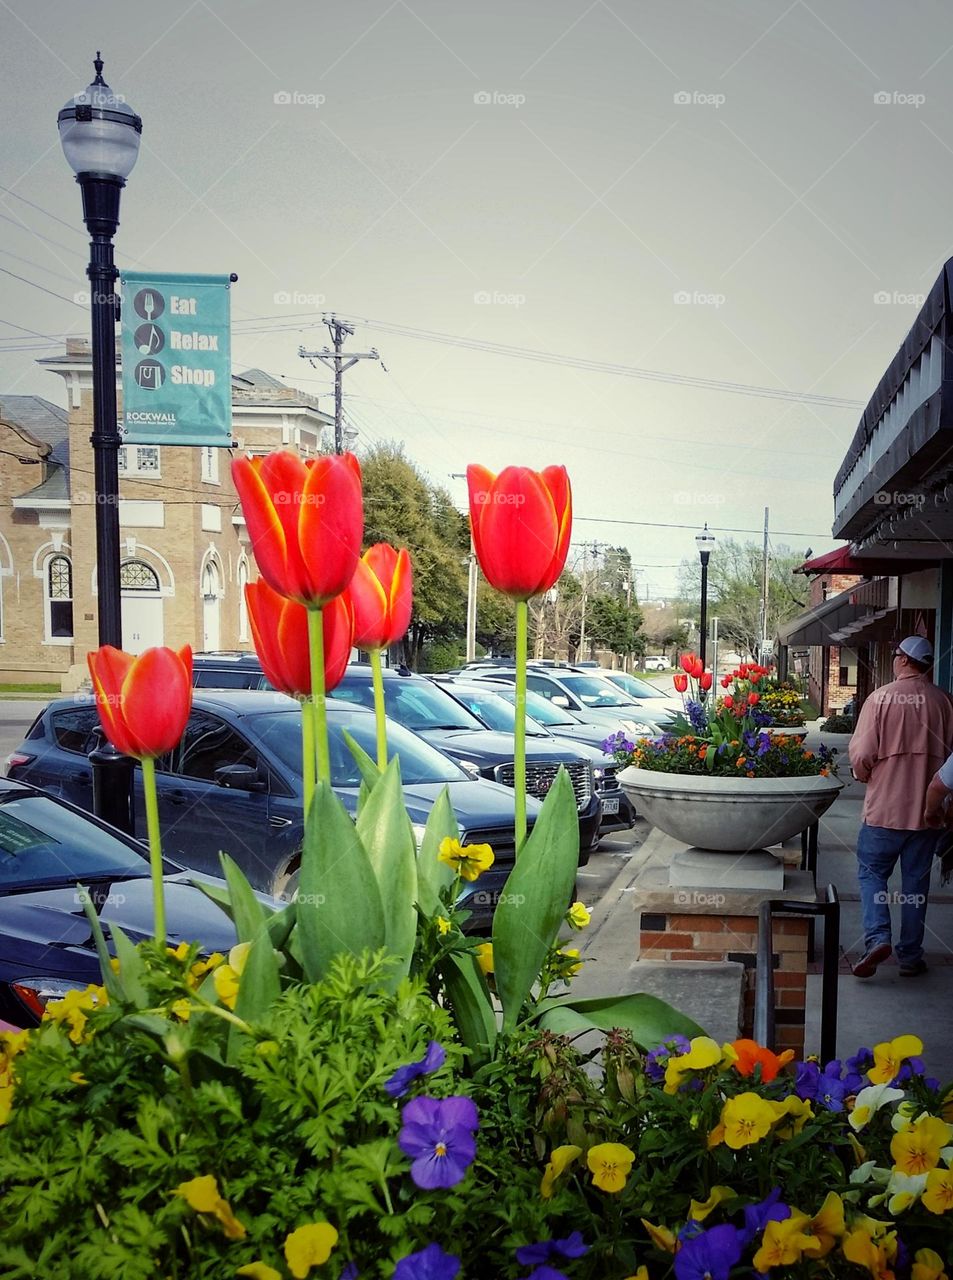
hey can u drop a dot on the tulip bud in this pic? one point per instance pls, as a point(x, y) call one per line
point(725, 681)
point(688, 661)
point(704, 680)
point(728, 701)
point(680, 682)
point(754, 699)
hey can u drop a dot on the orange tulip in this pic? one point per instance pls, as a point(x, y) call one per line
point(704, 680)
point(280, 631)
point(680, 682)
point(143, 702)
point(305, 521)
point(521, 522)
point(381, 592)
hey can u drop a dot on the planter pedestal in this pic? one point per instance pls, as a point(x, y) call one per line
point(693, 868)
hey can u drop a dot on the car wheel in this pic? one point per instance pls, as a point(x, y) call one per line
point(284, 887)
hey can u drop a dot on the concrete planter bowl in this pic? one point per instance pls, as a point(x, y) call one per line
point(729, 815)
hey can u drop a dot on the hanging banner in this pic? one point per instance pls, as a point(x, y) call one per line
point(176, 359)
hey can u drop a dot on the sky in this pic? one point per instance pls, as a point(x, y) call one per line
point(753, 195)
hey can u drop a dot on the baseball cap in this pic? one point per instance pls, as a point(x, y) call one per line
point(917, 647)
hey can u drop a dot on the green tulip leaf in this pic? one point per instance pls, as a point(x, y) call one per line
point(368, 767)
point(535, 898)
point(433, 875)
point(130, 968)
point(111, 980)
point(472, 1006)
point(339, 906)
point(387, 835)
point(222, 897)
point(246, 910)
point(648, 1019)
point(260, 983)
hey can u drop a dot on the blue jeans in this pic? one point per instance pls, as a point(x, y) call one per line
point(878, 850)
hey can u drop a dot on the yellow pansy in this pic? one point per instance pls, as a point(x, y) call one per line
point(661, 1237)
point(308, 1247)
point(226, 976)
point(643, 1274)
point(201, 968)
point(181, 952)
point(860, 1246)
point(182, 1009)
point(202, 1195)
point(484, 958)
point(826, 1227)
point(797, 1109)
point(560, 1158)
point(578, 916)
point(747, 1118)
point(700, 1209)
point(570, 954)
point(258, 1271)
point(889, 1056)
point(938, 1197)
point(782, 1243)
point(916, 1148)
point(77, 1077)
point(903, 1190)
point(468, 861)
point(702, 1054)
point(74, 1008)
point(609, 1163)
point(927, 1265)
point(443, 925)
point(869, 1101)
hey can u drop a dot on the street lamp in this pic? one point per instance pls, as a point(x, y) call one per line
point(100, 135)
point(705, 542)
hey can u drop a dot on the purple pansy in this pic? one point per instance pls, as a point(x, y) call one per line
point(757, 1216)
point(709, 1255)
point(658, 1057)
point(403, 1077)
point(546, 1273)
point(861, 1062)
point(428, 1264)
point(350, 1272)
point(825, 1087)
point(806, 1076)
point(438, 1135)
point(547, 1250)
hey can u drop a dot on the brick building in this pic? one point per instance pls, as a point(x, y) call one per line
point(184, 546)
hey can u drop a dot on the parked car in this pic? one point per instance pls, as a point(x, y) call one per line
point(228, 670)
point(657, 662)
point(660, 707)
point(493, 706)
point(430, 711)
point(234, 783)
point(588, 695)
point(47, 846)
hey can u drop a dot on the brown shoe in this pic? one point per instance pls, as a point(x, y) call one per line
point(867, 967)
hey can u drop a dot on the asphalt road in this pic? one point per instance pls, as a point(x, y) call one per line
point(16, 716)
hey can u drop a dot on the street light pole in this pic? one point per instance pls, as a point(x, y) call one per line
point(705, 542)
point(100, 135)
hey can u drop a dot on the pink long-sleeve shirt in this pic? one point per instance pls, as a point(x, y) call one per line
point(904, 734)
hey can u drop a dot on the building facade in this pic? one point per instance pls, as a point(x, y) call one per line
point(185, 554)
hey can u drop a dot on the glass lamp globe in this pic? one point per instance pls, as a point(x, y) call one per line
point(705, 541)
point(99, 131)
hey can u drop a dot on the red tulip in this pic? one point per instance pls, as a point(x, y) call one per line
point(381, 592)
point(688, 661)
point(704, 680)
point(725, 681)
point(743, 671)
point(728, 701)
point(754, 699)
point(280, 630)
point(680, 682)
point(521, 522)
point(143, 702)
point(305, 521)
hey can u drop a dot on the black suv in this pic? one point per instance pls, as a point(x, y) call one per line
point(230, 669)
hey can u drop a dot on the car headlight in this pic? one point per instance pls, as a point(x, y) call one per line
point(468, 766)
point(598, 773)
point(640, 729)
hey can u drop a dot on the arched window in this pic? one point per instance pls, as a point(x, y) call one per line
point(136, 575)
point(242, 603)
point(59, 598)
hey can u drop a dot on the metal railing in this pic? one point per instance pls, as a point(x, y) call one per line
point(764, 1012)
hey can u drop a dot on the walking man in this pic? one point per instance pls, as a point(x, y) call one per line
point(904, 735)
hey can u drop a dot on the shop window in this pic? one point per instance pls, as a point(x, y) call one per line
point(59, 598)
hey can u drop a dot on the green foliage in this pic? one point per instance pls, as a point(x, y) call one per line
point(838, 723)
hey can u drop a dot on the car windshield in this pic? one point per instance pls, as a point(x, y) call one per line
point(416, 704)
point(633, 686)
point(43, 842)
point(539, 708)
point(593, 691)
point(497, 712)
point(280, 732)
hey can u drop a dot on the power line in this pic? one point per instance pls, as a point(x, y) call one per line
point(42, 289)
point(56, 218)
point(659, 524)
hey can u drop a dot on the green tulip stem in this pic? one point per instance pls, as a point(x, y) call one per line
point(519, 762)
point(318, 696)
point(307, 751)
point(379, 715)
point(155, 847)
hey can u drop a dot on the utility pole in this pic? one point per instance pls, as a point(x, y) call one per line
point(473, 580)
point(763, 613)
point(339, 363)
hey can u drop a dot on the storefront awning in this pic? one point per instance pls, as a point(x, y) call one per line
point(842, 560)
point(819, 625)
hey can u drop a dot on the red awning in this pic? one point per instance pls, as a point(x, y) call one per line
point(841, 560)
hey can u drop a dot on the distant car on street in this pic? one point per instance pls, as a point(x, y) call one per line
point(658, 662)
point(47, 846)
point(234, 783)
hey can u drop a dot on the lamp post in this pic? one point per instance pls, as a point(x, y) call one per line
point(100, 135)
point(705, 542)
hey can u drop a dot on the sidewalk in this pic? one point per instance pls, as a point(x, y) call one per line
point(869, 1010)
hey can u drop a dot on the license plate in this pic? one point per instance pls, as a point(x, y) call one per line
point(610, 806)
